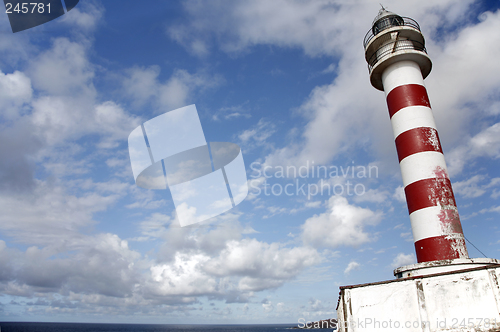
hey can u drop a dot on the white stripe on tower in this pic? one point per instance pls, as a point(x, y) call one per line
point(436, 227)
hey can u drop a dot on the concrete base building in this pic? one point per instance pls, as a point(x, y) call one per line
point(455, 295)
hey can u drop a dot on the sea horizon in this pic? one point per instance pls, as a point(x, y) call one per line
point(32, 326)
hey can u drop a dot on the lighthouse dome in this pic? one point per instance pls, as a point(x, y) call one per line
point(385, 20)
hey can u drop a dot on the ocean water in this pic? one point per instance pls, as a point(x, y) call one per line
point(74, 327)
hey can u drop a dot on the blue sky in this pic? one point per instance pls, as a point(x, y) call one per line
point(285, 80)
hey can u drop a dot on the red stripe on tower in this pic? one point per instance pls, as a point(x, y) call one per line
point(429, 192)
point(438, 248)
point(407, 95)
point(417, 140)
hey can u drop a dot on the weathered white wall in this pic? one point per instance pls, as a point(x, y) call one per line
point(453, 301)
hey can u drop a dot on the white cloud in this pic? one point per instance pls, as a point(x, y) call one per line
point(399, 194)
point(49, 215)
point(17, 162)
point(183, 276)
point(209, 241)
point(315, 305)
point(342, 224)
point(232, 112)
point(263, 265)
point(212, 262)
point(143, 86)
point(258, 135)
point(337, 118)
point(113, 123)
point(141, 83)
point(85, 16)
point(351, 266)
point(491, 209)
point(267, 305)
point(155, 226)
point(147, 204)
point(281, 307)
point(484, 144)
point(319, 27)
point(63, 69)
point(283, 23)
point(67, 107)
point(15, 92)
point(58, 119)
point(457, 102)
point(14, 48)
point(469, 188)
point(403, 259)
point(102, 264)
point(372, 195)
point(218, 262)
point(408, 236)
point(315, 204)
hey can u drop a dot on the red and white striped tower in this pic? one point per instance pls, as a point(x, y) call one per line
point(445, 283)
point(398, 63)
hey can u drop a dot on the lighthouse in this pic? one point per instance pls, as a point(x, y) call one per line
point(445, 290)
point(398, 63)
